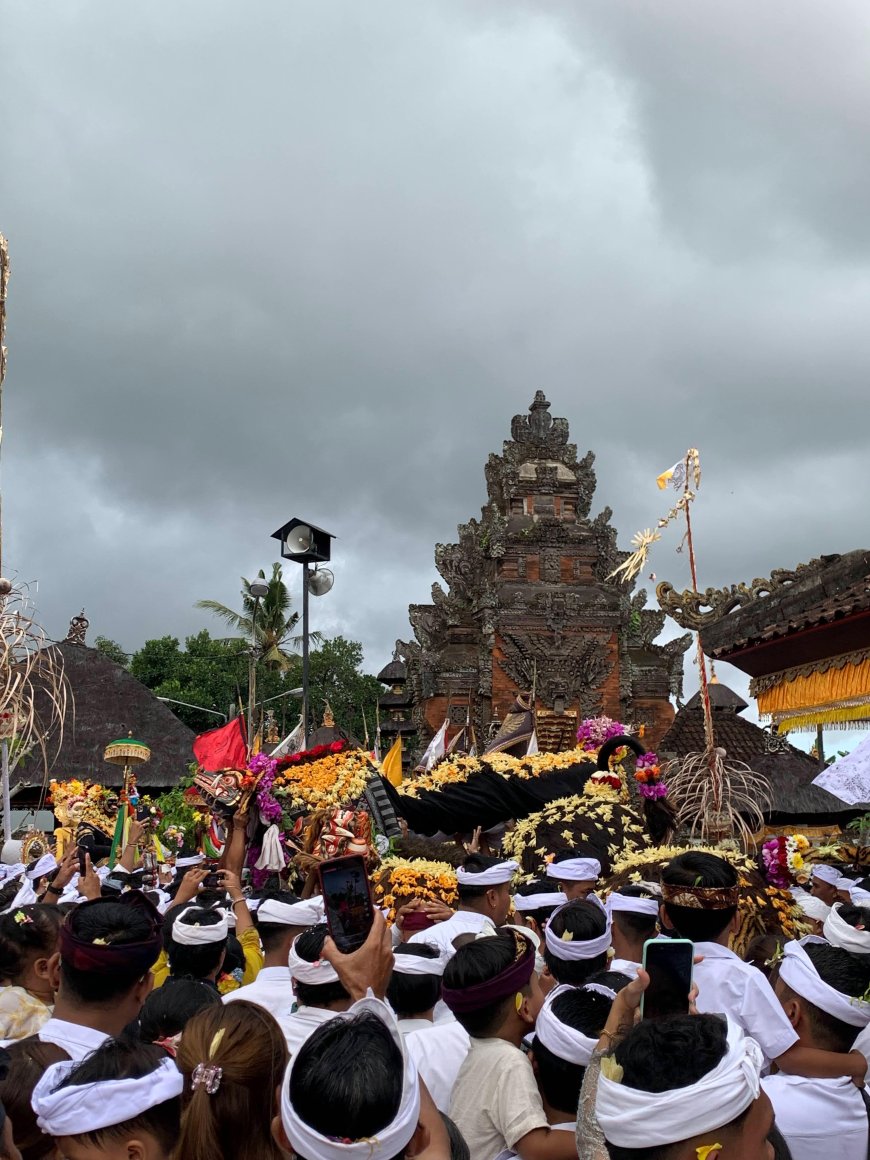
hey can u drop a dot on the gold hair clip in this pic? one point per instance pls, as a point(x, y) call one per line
point(704, 1151)
point(215, 1043)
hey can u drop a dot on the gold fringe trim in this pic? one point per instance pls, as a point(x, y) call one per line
point(837, 688)
point(759, 685)
point(841, 717)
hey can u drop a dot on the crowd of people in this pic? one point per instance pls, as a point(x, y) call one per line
point(199, 1021)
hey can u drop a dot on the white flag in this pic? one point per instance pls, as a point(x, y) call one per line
point(292, 743)
point(533, 743)
point(436, 748)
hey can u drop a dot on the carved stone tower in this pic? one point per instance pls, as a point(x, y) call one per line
point(529, 605)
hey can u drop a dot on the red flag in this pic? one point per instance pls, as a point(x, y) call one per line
point(223, 748)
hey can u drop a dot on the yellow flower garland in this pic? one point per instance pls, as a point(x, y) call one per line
point(398, 880)
point(335, 780)
point(461, 768)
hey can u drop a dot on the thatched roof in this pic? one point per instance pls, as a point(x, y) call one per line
point(108, 703)
point(790, 771)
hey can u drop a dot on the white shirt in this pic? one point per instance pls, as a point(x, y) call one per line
point(272, 989)
point(820, 1118)
point(623, 967)
point(510, 1155)
point(439, 1052)
point(76, 1041)
point(406, 1026)
point(442, 934)
point(728, 985)
point(299, 1026)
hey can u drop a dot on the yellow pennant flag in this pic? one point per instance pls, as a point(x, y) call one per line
point(392, 763)
point(675, 476)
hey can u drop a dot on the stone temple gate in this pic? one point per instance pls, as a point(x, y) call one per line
point(528, 604)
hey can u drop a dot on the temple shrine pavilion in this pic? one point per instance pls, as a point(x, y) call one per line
point(529, 605)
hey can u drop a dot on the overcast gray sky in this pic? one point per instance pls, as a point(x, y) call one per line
point(307, 258)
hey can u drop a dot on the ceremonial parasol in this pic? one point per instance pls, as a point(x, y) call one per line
point(849, 778)
point(128, 753)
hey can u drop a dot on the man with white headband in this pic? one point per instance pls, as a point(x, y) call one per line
point(576, 941)
point(351, 1092)
point(415, 985)
point(280, 918)
point(634, 912)
point(814, 911)
point(123, 1100)
point(575, 875)
point(534, 903)
point(823, 883)
point(701, 894)
point(484, 889)
point(197, 943)
point(822, 990)
point(320, 995)
point(684, 1088)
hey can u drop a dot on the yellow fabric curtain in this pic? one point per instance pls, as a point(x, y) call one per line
point(837, 695)
point(392, 763)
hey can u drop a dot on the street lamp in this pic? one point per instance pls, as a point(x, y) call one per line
point(190, 705)
point(307, 544)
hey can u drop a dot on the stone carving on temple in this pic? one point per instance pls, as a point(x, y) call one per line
point(526, 602)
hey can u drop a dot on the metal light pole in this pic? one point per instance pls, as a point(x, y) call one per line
point(307, 545)
point(258, 589)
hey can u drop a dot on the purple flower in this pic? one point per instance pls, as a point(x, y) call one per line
point(657, 790)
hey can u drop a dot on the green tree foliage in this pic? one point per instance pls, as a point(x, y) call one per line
point(274, 624)
point(112, 650)
point(336, 676)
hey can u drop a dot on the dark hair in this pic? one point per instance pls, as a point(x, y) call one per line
point(565, 854)
point(8, 891)
point(635, 926)
point(850, 975)
point(34, 938)
point(662, 1054)
point(167, 1009)
point(615, 980)
point(347, 1078)
point(698, 869)
point(559, 1080)
point(110, 922)
point(539, 886)
point(235, 1120)
point(197, 962)
point(459, 1150)
point(763, 951)
point(273, 934)
point(28, 1059)
point(478, 962)
point(128, 1059)
point(584, 921)
point(410, 994)
point(475, 864)
point(309, 946)
point(855, 916)
point(234, 956)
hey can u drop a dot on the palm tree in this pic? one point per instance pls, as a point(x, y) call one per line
point(273, 629)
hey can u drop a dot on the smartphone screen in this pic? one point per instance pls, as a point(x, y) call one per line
point(668, 962)
point(347, 900)
point(82, 866)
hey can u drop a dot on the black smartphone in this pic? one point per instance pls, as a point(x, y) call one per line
point(347, 900)
point(668, 962)
point(82, 866)
point(211, 880)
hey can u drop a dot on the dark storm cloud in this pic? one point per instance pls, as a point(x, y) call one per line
point(308, 259)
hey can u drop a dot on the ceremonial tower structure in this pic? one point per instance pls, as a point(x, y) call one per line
point(529, 605)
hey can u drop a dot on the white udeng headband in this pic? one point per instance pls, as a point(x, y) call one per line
point(44, 866)
point(827, 874)
point(417, 965)
point(566, 1042)
point(846, 883)
point(308, 913)
point(631, 1118)
point(813, 907)
point(526, 902)
point(188, 934)
point(798, 972)
point(575, 870)
point(577, 949)
point(313, 973)
point(627, 905)
point(493, 876)
point(391, 1140)
point(89, 1107)
point(839, 934)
